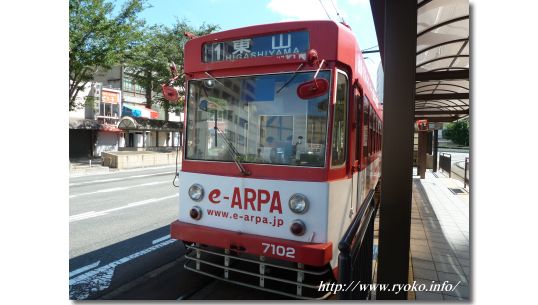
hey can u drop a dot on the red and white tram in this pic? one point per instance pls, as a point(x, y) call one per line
point(282, 144)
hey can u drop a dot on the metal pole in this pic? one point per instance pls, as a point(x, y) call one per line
point(397, 167)
point(422, 142)
point(435, 148)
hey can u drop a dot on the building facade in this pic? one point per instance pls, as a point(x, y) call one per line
point(112, 98)
point(93, 126)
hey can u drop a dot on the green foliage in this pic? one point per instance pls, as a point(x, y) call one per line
point(149, 63)
point(458, 132)
point(89, 101)
point(98, 39)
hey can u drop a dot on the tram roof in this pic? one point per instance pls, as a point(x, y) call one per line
point(442, 57)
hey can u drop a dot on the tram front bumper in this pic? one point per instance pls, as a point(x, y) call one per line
point(314, 254)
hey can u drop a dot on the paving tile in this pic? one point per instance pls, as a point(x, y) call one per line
point(445, 258)
point(417, 231)
point(422, 255)
point(462, 254)
point(453, 298)
point(448, 268)
point(425, 274)
point(452, 278)
point(457, 239)
point(422, 263)
point(441, 252)
point(459, 243)
point(433, 231)
point(418, 241)
point(462, 248)
point(437, 239)
point(420, 248)
point(437, 245)
point(426, 295)
point(464, 262)
point(467, 271)
point(420, 237)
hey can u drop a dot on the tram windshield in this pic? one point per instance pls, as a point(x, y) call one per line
point(262, 118)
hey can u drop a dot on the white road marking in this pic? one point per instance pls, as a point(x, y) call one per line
point(99, 279)
point(83, 216)
point(119, 179)
point(116, 189)
point(93, 214)
point(83, 269)
point(158, 240)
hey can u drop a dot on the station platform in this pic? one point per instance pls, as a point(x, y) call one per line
point(439, 246)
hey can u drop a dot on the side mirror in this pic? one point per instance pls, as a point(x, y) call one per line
point(311, 89)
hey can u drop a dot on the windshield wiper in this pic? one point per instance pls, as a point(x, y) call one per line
point(291, 78)
point(233, 152)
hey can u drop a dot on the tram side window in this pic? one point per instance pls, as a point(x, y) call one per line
point(374, 142)
point(338, 147)
point(376, 139)
point(373, 134)
point(358, 103)
point(370, 132)
point(366, 115)
point(378, 136)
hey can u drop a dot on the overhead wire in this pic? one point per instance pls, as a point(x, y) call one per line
point(323, 6)
point(337, 13)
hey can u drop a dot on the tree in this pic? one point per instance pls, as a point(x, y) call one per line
point(98, 39)
point(149, 64)
point(458, 132)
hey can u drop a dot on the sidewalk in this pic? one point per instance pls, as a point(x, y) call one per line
point(87, 166)
point(82, 168)
point(440, 236)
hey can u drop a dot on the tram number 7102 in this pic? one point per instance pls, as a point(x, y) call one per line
point(278, 250)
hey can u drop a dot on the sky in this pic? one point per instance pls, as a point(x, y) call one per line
point(230, 14)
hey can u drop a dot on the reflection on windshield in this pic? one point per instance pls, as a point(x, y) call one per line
point(262, 125)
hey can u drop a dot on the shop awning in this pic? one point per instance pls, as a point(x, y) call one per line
point(138, 111)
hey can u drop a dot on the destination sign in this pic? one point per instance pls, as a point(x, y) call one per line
point(292, 44)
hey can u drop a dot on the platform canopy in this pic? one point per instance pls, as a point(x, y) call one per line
point(442, 58)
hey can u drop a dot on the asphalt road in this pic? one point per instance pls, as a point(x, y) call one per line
point(119, 228)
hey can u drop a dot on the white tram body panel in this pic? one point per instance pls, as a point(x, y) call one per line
point(273, 218)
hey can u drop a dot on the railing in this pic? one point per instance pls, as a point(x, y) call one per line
point(445, 163)
point(356, 251)
point(466, 174)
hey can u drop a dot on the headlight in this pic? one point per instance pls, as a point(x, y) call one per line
point(196, 192)
point(298, 203)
